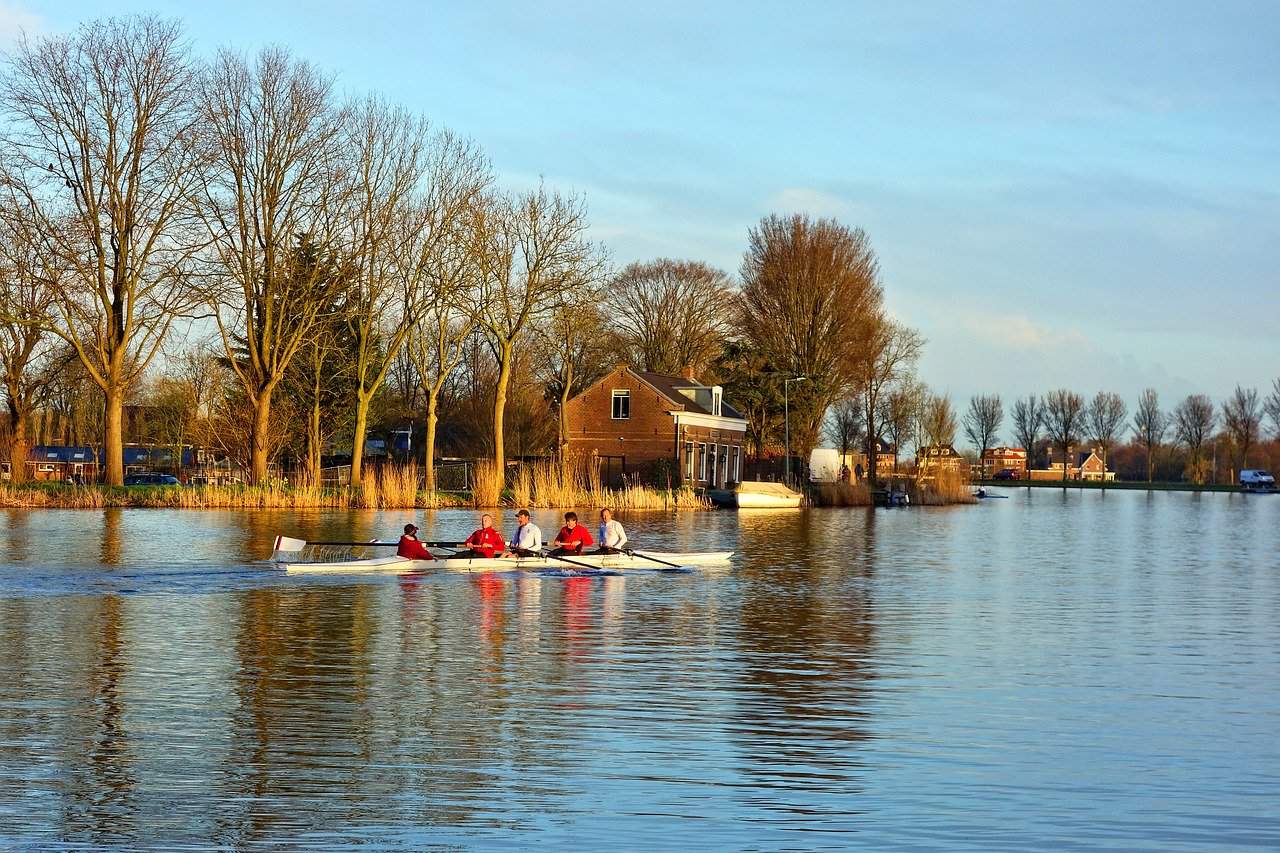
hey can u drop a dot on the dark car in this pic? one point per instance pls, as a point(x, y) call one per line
point(1006, 474)
point(151, 480)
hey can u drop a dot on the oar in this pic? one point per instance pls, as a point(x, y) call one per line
point(674, 569)
point(571, 562)
point(375, 543)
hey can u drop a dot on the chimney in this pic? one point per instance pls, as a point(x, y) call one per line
point(687, 372)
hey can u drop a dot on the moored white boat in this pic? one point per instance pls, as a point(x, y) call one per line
point(288, 556)
point(762, 495)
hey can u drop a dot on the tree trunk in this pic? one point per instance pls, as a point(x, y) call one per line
point(563, 425)
point(113, 434)
point(1065, 450)
point(258, 438)
point(357, 439)
point(433, 417)
point(500, 409)
point(1150, 464)
point(313, 444)
point(19, 441)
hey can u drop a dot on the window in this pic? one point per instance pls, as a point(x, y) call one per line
point(737, 464)
point(688, 460)
point(702, 462)
point(711, 449)
point(621, 405)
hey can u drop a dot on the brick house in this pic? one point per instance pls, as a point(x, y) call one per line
point(940, 457)
point(658, 427)
point(1084, 465)
point(996, 459)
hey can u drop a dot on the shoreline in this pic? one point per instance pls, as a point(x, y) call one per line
point(1117, 485)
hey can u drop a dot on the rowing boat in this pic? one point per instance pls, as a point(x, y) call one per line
point(288, 556)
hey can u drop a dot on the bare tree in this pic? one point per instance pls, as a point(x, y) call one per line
point(574, 342)
point(938, 421)
point(1193, 423)
point(1104, 418)
point(1028, 419)
point(102, 134)
point(899, 412)
point(1064, 418)
point(847, 425)
point(1272, 407)
point(810, 295)
point(669, 315)
point(26, 346)
point(1150, 425)
point(1242, 417)
point(982, 423)
point(529, 249)
point(887, 354)
point(270, 202)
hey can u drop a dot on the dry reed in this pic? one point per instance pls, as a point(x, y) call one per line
point(486, 487)
point(842, 494)
point(946, 486)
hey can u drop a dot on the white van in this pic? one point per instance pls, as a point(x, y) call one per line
point(1256, 478)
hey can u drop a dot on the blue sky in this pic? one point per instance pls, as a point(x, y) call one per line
point(1079, 194)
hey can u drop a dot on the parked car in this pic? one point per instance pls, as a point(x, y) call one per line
point(1006, 474)
point(1256, 478)
point(151, 479)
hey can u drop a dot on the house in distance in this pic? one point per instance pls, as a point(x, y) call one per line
point(657, 427)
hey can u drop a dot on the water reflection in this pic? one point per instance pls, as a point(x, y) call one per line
point(853, 670)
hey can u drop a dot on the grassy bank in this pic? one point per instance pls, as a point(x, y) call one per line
point(1113, 485)
point(389, 487)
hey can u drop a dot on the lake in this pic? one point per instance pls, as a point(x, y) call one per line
point(1059, 669)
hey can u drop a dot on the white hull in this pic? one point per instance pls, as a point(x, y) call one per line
point(767, 496)
point(499, 564)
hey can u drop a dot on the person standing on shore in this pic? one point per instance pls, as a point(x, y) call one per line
point(572, 538)
point(527, 540)
point(613, 539)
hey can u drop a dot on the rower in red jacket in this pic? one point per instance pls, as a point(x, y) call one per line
point(410, 547)
point(572, 538)
point(485, 542)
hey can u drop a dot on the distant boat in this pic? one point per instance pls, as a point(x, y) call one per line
point(755, 494)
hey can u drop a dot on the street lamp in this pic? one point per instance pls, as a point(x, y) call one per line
point(786, 422)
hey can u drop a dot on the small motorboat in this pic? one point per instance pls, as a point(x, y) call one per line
point(756, 494)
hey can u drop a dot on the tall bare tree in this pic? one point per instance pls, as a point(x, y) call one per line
point(529, 249)
point(669, 315)
point(899, 412)
point(385, 148)
point(810, 296)
point(1104, 419)
point(1242, 418)
point(1150, 425)
point(1028, 419)
point(887, 354)
point(1064, 419)
point(103, 136)
point(847, 425)
point(1193, 423)
point(982, 422)
point(1272, 407)
point(26, 346)
point(573, 351)
point(937, 421)
point(272, 203)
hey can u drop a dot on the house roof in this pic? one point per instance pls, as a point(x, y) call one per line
point(670, 387)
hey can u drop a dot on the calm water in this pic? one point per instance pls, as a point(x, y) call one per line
point(1052, 670)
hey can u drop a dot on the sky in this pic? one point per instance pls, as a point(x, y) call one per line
point(1061, 194)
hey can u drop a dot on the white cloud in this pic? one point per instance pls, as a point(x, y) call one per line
point(14, 21)
point(1018, 331)
point(808, 200)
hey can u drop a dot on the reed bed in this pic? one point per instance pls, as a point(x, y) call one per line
point(842, 494)
point(945, 487)
point(552, 484)
point(486, 487)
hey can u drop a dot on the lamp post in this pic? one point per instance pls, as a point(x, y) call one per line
point(786, 423)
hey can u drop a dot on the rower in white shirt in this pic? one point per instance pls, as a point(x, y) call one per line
point(613, 539)
point(527, 540)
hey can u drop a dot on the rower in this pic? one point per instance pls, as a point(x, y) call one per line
point(410, 547)
point(613, 539)
point(485, 542)
point(527, 540)
point(572, 538)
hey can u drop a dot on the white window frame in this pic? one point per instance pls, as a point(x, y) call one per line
point(620, 394)
point(702, 461)
point(688, 460)
point(737, 463)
